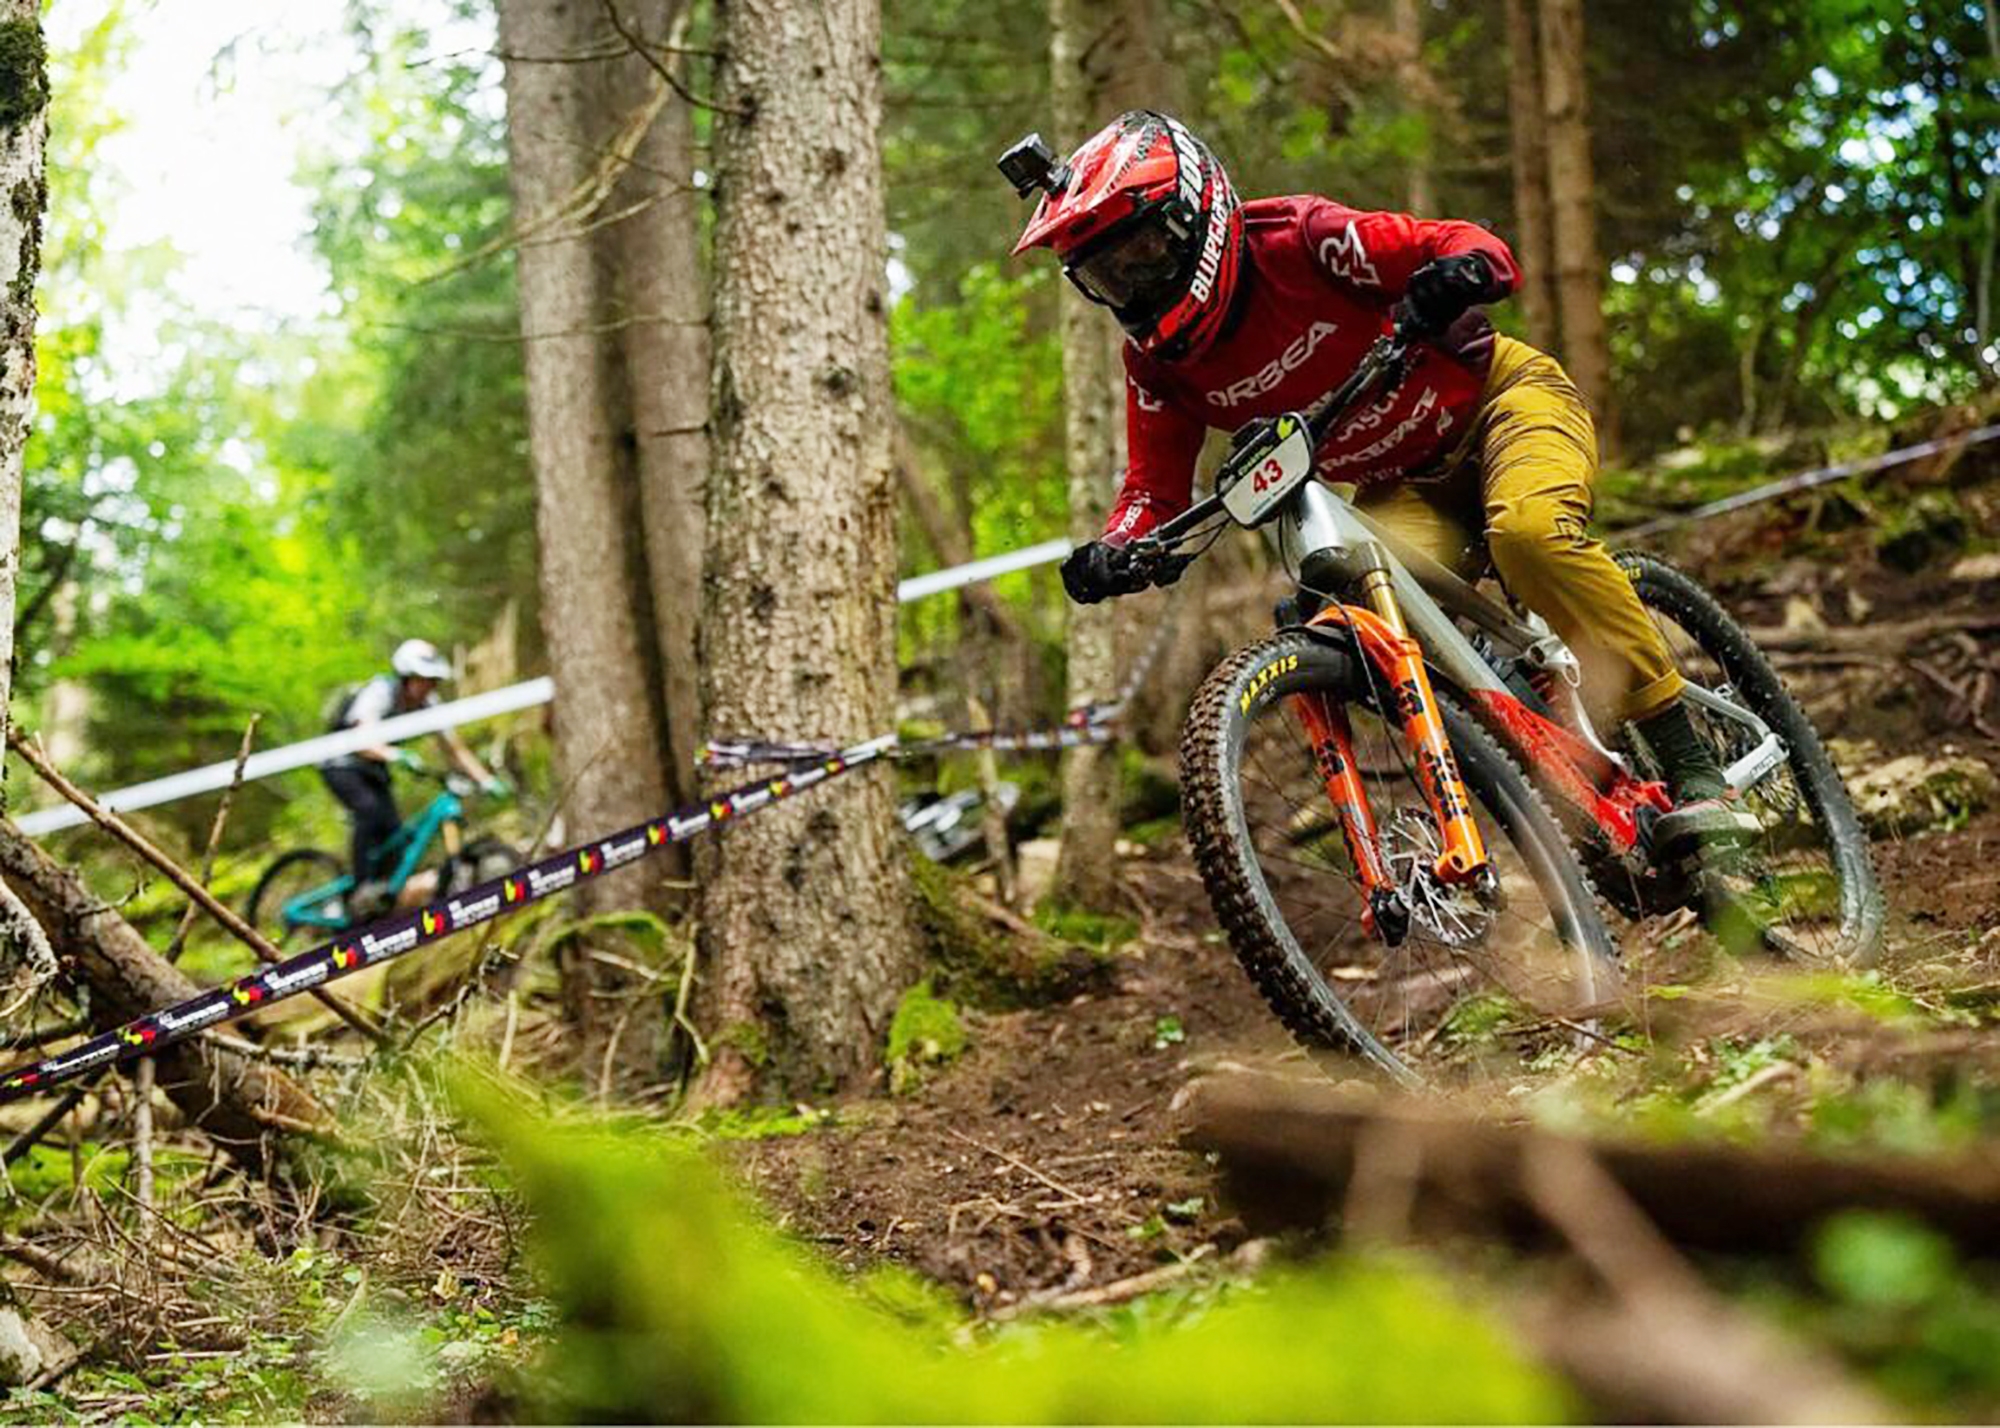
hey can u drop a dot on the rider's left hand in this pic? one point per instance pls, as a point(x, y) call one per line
point(1442, 290)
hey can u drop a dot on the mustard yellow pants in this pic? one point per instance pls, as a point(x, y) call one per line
point(1524, 480)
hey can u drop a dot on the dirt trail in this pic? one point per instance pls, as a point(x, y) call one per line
point(1047, 1158)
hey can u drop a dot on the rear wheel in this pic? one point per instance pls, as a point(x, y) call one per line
point(293, 874)
point(1473, 992)
point(1805, 887)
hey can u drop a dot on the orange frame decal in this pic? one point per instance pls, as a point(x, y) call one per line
point(1400, 661)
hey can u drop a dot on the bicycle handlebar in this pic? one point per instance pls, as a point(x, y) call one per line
point(1156, 554)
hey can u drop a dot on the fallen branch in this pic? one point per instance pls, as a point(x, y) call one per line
point(213, 1089)
point(1890, 637)
point(31, 753)
point(1289, 1152)
point(215, 836)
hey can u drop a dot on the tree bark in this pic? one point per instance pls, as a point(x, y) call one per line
point(806, 926)
point(659, 303)
point(1579, 275)
point(1406, 19)
point(1103, 59)
point(595, 604)
point(233, 1101)
point(1527, 129)
point(24, 132)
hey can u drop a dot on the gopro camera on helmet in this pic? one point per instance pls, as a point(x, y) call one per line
point(1030, 165)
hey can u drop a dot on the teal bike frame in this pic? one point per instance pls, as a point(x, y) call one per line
point(325, 906)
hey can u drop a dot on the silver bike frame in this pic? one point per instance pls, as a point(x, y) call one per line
point(1317, 518)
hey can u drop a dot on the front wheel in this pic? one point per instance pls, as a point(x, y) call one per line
point(1805, 887)
point(1474, 991)
point(291, 876)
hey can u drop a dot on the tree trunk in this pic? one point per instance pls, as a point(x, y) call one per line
point(24, 132)
point(806, 927)
point(1407, 20)
point(660, 307)
point(595, 604)
point(1103, 59)
point(1527, 129)
point(236, 1102)
point(1579, 276)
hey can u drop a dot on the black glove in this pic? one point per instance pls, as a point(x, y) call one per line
point(1098, 571)
point(1441, 290)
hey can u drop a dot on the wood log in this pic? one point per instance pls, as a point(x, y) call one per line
point(234, 1101)
point(1886, 638)
point(1289, 1154)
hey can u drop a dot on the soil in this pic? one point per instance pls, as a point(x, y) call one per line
point(1047, 1160)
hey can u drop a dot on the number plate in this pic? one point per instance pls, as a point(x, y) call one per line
point(1271, 471)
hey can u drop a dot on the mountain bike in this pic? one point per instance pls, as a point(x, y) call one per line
point(1407, 825)
point(303, 895)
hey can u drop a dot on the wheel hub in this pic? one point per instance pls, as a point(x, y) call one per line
point(1451, 914)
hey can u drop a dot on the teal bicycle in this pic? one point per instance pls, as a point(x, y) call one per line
point(302, 898)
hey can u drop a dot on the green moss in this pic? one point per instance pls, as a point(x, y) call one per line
point(1104, 931)
point(24, 72)
point(749, 1039)
point(763, 1122)
point(925, 1033)
point(981, 964)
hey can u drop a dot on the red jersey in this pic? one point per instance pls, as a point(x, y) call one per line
point(1319, 285)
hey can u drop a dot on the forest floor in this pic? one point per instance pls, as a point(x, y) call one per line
point(1047, 1162)
point(1045, 1167)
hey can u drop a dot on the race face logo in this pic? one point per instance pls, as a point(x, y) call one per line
point(1346, 259)
point(1297, 353)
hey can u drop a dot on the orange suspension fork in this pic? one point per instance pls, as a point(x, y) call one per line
point(1400, 660)
point(1332, 741)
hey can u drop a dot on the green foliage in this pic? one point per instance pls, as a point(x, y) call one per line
point(719, 1321)
point(1104, 931)
point(925, 1033)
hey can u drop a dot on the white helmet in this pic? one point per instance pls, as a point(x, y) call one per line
point(419, 659)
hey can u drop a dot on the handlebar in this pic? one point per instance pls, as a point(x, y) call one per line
point(1157, 554)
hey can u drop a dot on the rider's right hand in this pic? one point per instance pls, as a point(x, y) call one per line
point(1099, 570)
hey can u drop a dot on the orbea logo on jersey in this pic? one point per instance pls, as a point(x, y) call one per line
point(1296, 354)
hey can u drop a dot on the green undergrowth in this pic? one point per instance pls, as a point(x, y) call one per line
point(925, 1034)
point(722, 1320)
point(981, 962)
point(1104, 932)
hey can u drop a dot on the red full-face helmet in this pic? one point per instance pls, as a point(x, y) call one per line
point(1146, 224)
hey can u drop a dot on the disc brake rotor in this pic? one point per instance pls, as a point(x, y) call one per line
point(1451, 915)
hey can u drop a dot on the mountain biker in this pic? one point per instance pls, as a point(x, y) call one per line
point(360, 780)
point(1237, 310)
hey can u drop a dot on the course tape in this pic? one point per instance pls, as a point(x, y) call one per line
point(401, 933)
point(526, 695)
point(1806, 480)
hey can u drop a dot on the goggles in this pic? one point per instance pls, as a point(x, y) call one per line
point(1138, 267)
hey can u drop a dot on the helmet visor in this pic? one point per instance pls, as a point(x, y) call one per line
point(1136, 267)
